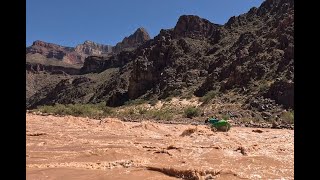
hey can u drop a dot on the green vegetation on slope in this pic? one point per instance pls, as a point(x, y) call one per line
point(84, 110)
point(191, 112)
point(208, 96)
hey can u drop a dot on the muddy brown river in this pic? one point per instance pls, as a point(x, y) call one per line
point(85, 149)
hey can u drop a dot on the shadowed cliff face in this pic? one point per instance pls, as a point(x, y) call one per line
point(251, 55)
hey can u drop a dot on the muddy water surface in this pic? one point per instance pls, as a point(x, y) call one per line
point(81, 148)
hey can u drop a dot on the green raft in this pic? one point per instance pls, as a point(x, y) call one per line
point(220, 125)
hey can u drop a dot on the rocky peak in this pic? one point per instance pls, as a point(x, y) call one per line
point(270, 4)
point(87, 42)
point(138, 37)
point(269, 8)
point(134, 40)
point(275, 7)
point(194, 27)
point(141, 35)
point(39, 43)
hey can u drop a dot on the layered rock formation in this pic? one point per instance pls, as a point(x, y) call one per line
point(89, 48)
point(68, 55)
point(50, 50)
point(77, 55)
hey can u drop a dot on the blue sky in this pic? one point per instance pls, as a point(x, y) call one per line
point(71, 22)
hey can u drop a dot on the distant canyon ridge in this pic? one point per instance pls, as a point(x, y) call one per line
point(77, 55)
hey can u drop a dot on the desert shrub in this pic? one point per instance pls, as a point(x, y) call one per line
point(168, 99)
point(153, 102)
point(258, 117)
point(89, 110)
point(263, 86)
point(135, 102)
point(225, 116)
point(131, 111)
point(208, 96)
point(187, 96)
point(191, 112)
point(175, 93)
point(45, 109)
point(244, 120)
point(55, 109)
point(142, 110)
point(288, 117)
point(161, 114)
point(126, 112)
point(82, 110)
point(247, 120)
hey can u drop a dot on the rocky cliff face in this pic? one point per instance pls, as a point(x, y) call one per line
point(173, 59)
point(93, 64)
point(250, 56)
point(98, 64)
